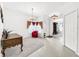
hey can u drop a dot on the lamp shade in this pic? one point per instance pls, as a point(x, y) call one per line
point(54, 14)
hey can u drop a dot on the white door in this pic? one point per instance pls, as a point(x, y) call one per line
point(71, 30)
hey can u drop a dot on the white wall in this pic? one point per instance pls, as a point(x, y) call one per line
point(40, 9)
point(15, 21)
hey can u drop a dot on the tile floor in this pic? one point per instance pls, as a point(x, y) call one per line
point(53, 48)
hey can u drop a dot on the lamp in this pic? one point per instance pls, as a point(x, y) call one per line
point(55, 14)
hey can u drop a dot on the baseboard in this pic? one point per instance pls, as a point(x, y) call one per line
point(77, 53)
point(72, 50)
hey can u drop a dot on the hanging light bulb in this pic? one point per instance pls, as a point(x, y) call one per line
point(32, 12)
point(33, 17)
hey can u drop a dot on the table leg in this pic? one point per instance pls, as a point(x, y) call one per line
point(3, 52)
point(21, 47)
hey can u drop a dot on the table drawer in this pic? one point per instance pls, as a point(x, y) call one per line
point(11, 42)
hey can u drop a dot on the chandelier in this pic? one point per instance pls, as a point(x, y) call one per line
point(32, 18)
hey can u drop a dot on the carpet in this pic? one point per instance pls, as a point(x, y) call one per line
point(30, 45)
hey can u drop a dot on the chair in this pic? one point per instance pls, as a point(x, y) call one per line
point(35, 34)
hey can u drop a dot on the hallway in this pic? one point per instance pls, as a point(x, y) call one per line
point(53, 48)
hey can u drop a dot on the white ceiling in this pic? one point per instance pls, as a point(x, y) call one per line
point(41, 8)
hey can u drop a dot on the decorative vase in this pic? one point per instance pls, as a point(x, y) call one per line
point(5, 34)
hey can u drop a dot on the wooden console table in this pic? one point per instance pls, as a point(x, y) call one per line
point(12, 40)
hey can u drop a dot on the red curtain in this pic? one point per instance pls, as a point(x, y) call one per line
point(37, 23)
point(41, 24)
point(33, 23)
point(28, 23)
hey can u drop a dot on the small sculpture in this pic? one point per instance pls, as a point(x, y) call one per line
point(5, 33)
point(44, 35)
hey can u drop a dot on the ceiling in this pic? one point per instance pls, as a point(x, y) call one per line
point(41, 8)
